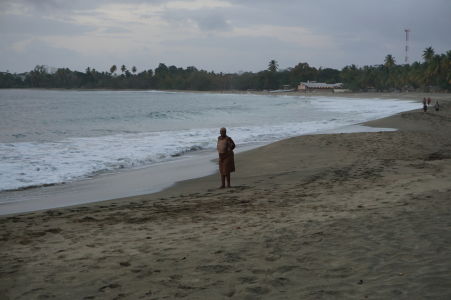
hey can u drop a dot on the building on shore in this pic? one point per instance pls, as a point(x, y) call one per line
point(313, 86)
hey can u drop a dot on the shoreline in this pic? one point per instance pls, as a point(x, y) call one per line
point(348, 216)
point(84, 191)
point(384, 95)
point(110, 186)
point(129, 183)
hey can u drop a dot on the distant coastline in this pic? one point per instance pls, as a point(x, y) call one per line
point(440, 95)
point(431, 75)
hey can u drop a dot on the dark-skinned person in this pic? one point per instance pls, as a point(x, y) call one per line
point(225, 148)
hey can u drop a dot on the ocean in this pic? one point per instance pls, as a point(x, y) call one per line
point(58, 136)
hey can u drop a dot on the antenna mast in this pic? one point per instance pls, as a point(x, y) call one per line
point(406, 60)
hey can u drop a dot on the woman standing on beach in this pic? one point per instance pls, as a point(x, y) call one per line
point(225, 148)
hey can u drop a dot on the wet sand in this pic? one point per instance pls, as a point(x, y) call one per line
point(338, 216)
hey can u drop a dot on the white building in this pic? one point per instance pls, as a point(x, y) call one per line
point(313, 85)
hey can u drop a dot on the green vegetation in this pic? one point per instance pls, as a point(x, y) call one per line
point(434, 73)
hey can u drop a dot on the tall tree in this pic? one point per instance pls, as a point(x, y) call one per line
point(133, 69)
point(273, 66)
point(389, 61)
point(428, 54)
point(123, 68)
point(113, 69)
point(389, 64)
point(446, 61)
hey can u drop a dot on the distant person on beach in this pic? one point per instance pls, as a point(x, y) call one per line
point(225, 148)
point(424, 101)
point(437, 106)
point(429, 101)
point(425, 107)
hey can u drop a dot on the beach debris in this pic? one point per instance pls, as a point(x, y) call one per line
point(124, 263)
point(360, 281)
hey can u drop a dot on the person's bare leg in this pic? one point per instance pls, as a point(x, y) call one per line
point(228, 180)
point(222, 182)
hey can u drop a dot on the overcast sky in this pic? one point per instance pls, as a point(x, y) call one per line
point(217, 35)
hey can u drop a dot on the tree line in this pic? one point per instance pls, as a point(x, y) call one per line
point(433, 73)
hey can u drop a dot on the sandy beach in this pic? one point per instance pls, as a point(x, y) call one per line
point(337, 216)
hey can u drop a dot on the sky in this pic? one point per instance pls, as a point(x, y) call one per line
point(217, 35)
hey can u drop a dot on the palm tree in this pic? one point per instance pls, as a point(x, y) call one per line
point(133, 69)
point(428, 54)
point(446, 61)
point(123, 68)
point(433, 66)
point(389, 61)
point(273, 66)
point(113, 69)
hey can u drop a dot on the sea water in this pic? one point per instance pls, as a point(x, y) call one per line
point(59, 136)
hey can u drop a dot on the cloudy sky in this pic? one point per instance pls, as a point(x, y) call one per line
point(217, 35)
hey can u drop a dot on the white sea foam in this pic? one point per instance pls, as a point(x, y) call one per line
point(29, 164)
point(24, 164)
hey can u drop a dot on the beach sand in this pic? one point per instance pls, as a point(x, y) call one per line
point(340, 216)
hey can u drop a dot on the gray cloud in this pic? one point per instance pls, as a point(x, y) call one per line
point(38, 53)
point(211, 19)
point(366, 29)
point(231, 54)
point(51, 6)
point(357, 31)
point(114, 30)
point(20, 25)
point(47, 6)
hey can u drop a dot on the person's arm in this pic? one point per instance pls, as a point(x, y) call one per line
point(232, 144)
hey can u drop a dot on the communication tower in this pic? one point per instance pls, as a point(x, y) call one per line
point(406, 59)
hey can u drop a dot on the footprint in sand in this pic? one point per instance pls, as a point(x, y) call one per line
point(110, 286)
point(232, 257)
point(248, 279)
point(213, 268)
point(280, 281)
point(258, 290)
point(285, 269)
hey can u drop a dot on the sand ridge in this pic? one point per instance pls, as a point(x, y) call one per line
point(341, 216)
